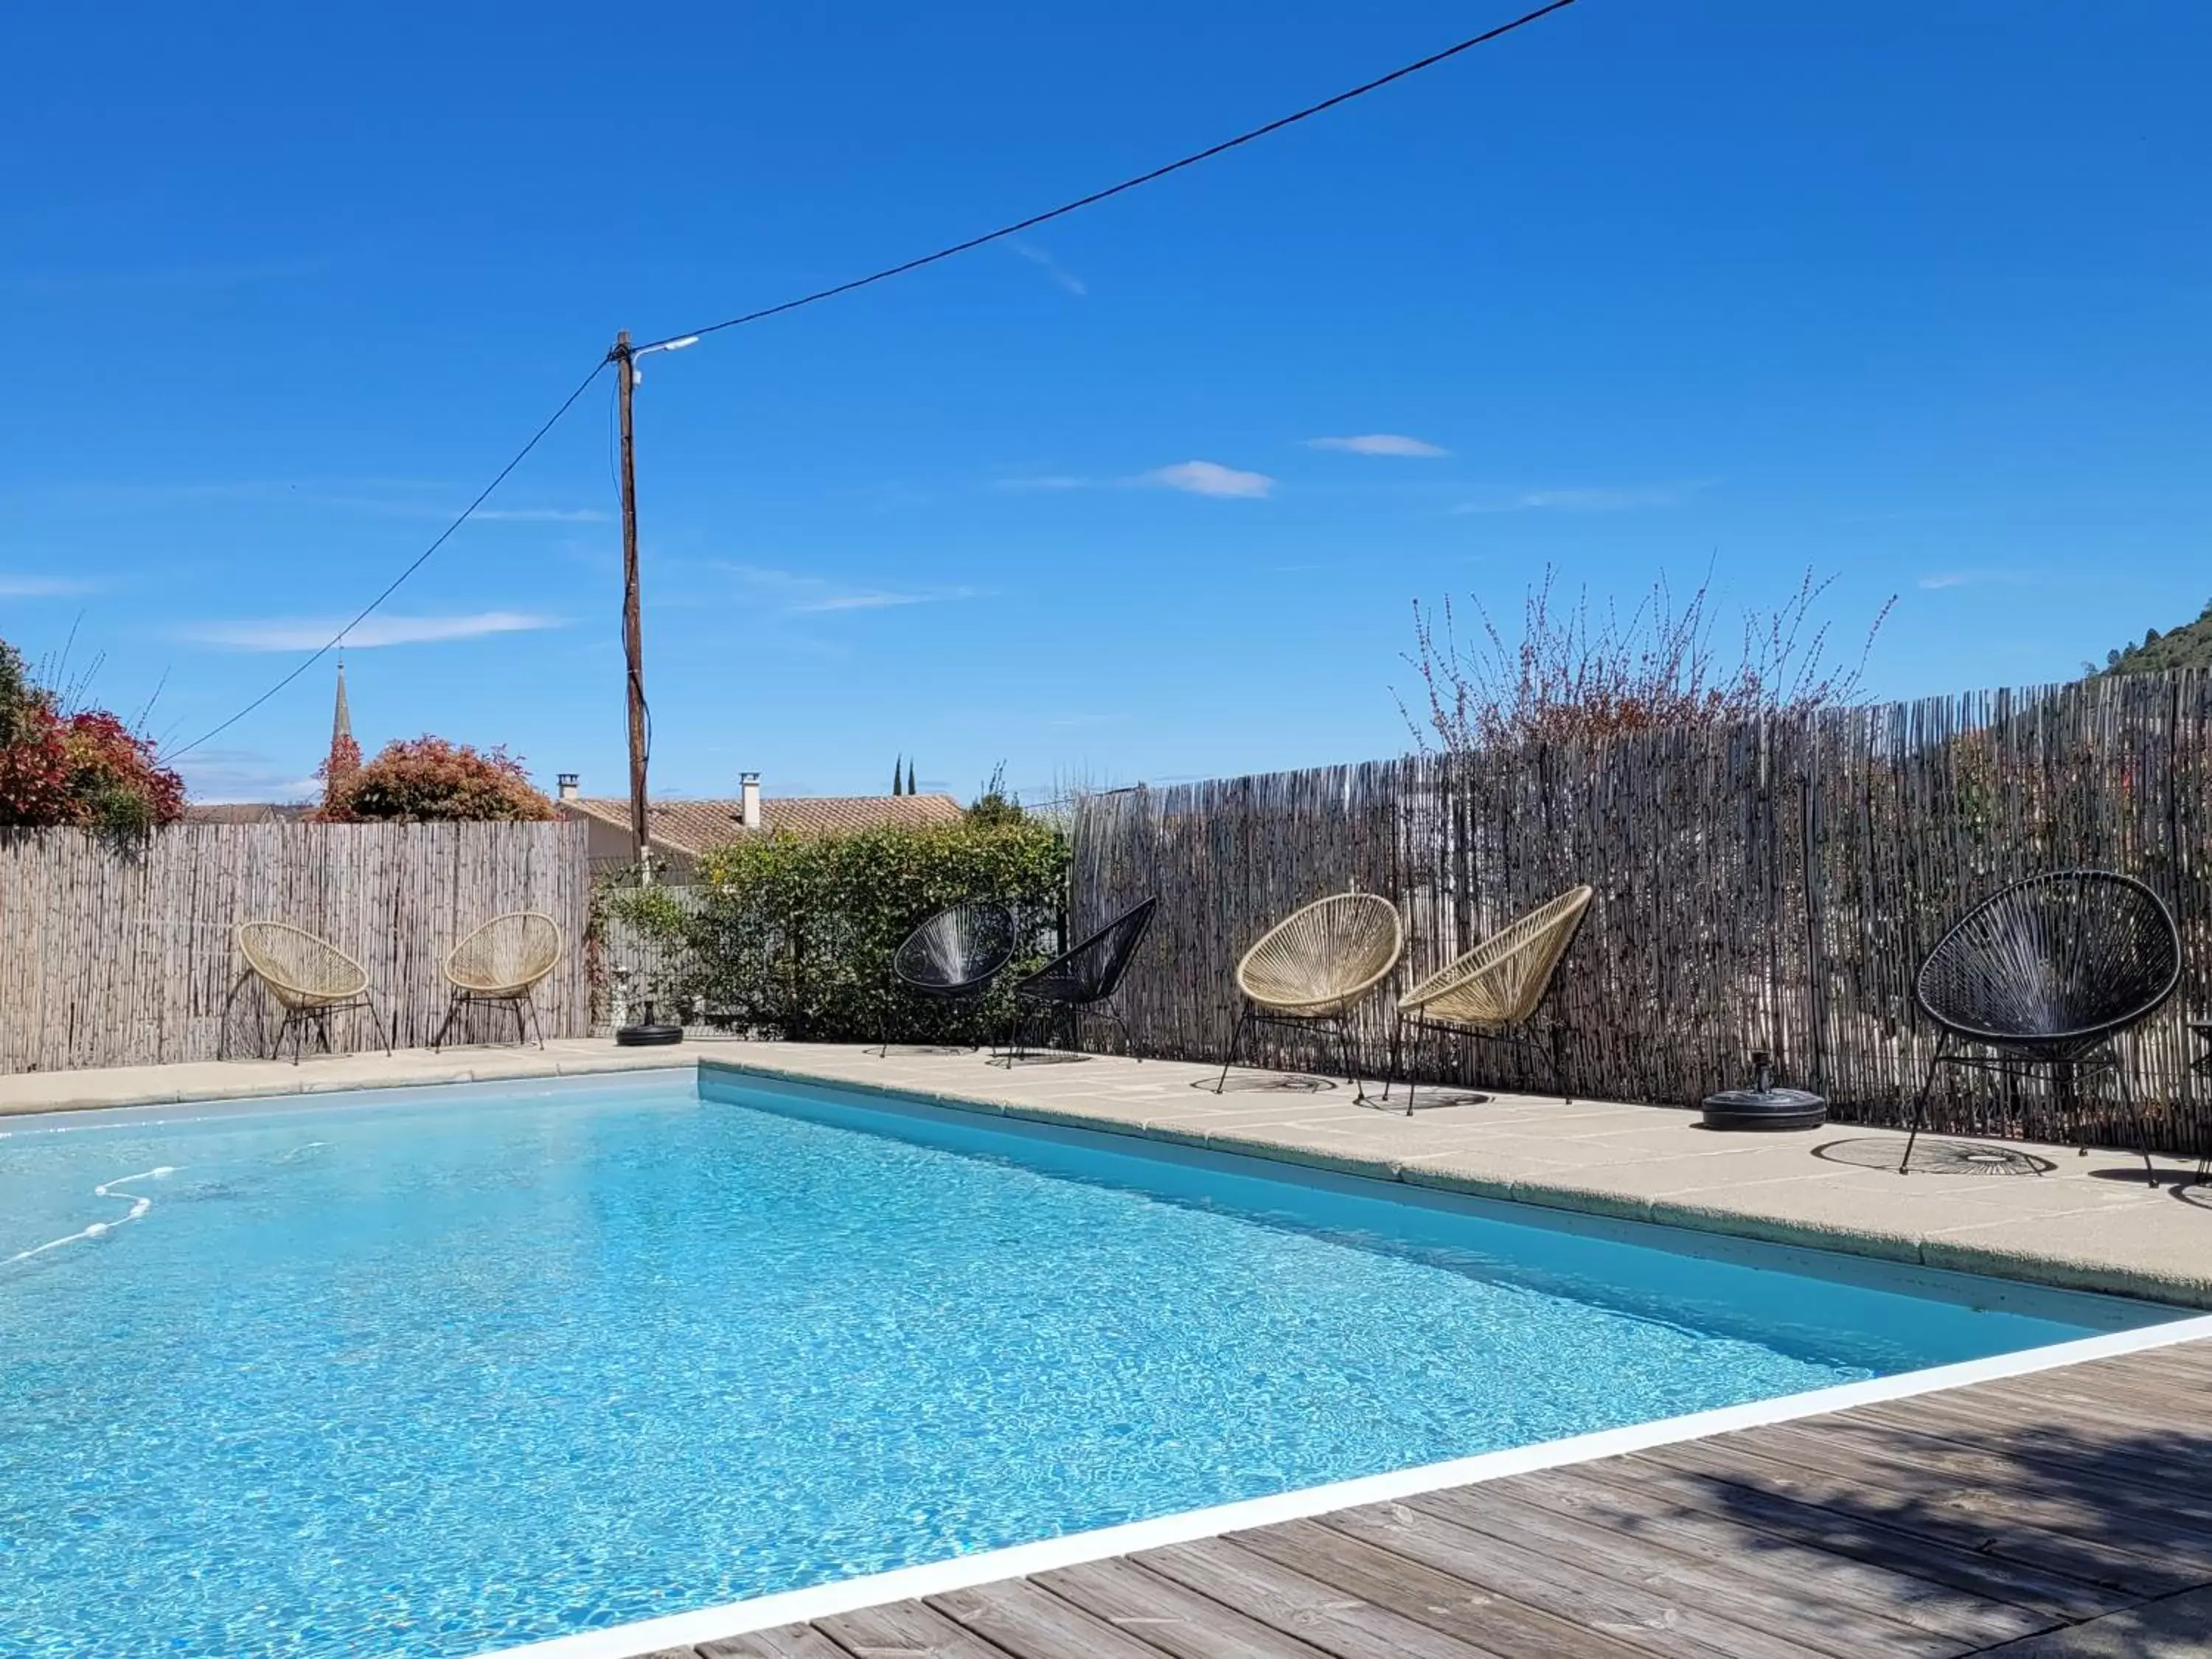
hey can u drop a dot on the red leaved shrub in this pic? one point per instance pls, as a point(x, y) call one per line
point(86, 771)
point(430, 781)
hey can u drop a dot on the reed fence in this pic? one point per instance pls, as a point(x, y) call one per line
point(117, 953)
point(1772, 885)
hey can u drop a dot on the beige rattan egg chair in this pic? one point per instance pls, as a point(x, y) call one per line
point(505, 960)
point(1493, 992)
point(311, 979)
point(1316, 964)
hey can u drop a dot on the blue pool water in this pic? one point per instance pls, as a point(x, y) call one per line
point(434, 1374)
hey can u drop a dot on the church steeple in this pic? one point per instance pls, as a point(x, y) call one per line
point(344, 759)
point(342, 718)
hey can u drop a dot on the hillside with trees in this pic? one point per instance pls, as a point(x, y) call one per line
point(2187, 647)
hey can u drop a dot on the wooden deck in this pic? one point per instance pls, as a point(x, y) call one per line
point(2060, 1514)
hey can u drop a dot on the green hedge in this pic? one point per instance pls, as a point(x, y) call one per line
point(794, 934)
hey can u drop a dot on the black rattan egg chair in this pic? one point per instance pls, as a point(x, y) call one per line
point(1081, 981)
point(953, 956)
point(2049, 973)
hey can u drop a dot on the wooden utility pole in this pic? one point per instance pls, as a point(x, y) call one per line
point(633, 637)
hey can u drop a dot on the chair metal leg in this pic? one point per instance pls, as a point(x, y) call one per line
point(1395, 1057)
point(2134, 1106)
point(1235, 1037)
point(1920, 1104)
point(536, 1020)
point(454, 1004)
point(377, 1019)
point(1018, 1034)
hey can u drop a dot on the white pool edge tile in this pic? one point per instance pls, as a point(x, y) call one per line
point(906, 1584)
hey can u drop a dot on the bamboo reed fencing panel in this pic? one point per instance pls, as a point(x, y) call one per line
point(1773, 885)
point(121, 953)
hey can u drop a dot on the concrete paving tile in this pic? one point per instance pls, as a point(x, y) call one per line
point(2097, 1250)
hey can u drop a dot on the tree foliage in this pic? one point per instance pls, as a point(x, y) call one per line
point(993, 804)
point(795, 933)
point(1576, 675)
point(430, 780)
point(339, 768)
point(84, 770)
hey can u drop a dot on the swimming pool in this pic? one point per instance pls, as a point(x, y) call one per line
point(434, 1372)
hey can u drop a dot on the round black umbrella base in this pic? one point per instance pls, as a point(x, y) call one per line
point(1765, 1108)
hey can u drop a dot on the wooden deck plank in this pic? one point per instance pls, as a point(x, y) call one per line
point(1801, 1610)
point(2078, 1462)
point(784, 1642)
point(1650, 1618)
point(1854, 1535)
point(2003, 1537)
point(2063, 1406)
point(1484, 1618)
point(2067, 1403)
point(1332, 1619)
point(2156, 1456)
point(1998, 1493)
point(1817, 1627)
point(1178, 1621)
point(1030, 1622)
point(1739, 1547)
point(904, 1629)
point(2186, 1363)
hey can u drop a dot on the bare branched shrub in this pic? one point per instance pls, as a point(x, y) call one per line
point(1576, 675)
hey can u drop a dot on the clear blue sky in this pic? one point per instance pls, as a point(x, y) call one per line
point(1918, 295)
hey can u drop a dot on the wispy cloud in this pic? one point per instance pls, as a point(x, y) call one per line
point(18, 587)
point(1379, 443)
point(1937, 580)
point(227, 775)
point(1066, 280)
point(544, 514)
point(1192, 478)
point(807, 596)
point(301, 634)
point(1208, 478)
point(1606, 499)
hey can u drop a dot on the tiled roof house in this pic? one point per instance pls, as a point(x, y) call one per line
point(681, 830)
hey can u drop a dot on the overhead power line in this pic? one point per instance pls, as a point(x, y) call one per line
point(686, 336)
point(1127, 185)
point(393, 587)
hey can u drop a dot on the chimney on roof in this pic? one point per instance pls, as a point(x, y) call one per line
point(749, 793)
point(569, 782)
